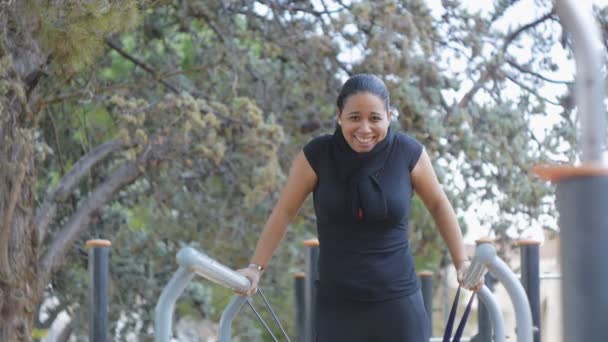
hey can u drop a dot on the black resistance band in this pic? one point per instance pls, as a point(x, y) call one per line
point(463, 320)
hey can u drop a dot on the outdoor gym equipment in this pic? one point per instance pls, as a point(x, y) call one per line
point(193, 262)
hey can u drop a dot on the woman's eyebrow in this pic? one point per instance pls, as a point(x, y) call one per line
point(359, 113)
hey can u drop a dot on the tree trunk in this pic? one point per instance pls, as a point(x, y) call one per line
point(20, 291)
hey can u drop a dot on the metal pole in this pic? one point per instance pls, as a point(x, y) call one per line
point(99, 266)
point(300, 288)
point(583, 223)
point(589, 86)
point(530, 279)
point(484, 323)
point(426, 285)
point(311, 289)
point(163, 313)
point(225, 326)
point(493, 315)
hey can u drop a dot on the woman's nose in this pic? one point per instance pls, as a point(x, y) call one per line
point(365, 126)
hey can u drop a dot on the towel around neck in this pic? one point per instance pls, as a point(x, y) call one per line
point(361, 171)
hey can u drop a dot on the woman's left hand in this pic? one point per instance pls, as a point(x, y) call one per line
point(461, 271)
point(253, 274)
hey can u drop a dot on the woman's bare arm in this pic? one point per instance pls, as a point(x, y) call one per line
point(300, 182)
point(427, 187)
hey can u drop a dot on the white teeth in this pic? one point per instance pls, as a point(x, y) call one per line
point(364, 140)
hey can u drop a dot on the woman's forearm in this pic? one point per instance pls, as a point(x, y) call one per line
point(448, 227)
point(428, 188)
point(300, 183)
point(271, 236)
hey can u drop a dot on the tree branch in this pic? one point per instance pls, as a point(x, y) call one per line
point(530, 90)
point(140, 64)
point(528, 71)
point(485, 75)
point(483, 78)
point(513, 35)
point(130, 85)
point(200, 14)
point(46, 212)
point(58, 249)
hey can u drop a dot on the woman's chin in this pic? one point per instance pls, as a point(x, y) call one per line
point(363, 147)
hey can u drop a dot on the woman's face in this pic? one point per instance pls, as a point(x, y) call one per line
point(364, 121)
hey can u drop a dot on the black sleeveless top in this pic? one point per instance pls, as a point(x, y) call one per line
point(362, 203)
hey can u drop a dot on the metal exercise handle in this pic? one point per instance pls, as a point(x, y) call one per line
point(485, 254)
point(208, 268)
point(193, 262)
point(498, 325)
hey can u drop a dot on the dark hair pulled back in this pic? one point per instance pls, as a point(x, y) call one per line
point(363, 83)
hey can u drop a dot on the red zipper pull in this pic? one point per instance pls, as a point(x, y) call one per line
point(360, 214)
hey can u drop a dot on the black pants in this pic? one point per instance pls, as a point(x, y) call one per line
point(397, 320)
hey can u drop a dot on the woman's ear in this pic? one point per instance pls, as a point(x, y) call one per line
point(338, 116)
point(392, 113)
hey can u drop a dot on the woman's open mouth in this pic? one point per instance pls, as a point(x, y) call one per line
point(364, 141)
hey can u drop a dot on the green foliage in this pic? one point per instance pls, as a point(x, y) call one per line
point(185, 50)
point(73, 32)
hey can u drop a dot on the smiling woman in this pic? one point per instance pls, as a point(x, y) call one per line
point(362, 178)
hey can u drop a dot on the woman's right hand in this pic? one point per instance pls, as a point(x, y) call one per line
point(461, 271)
point(253, 273)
